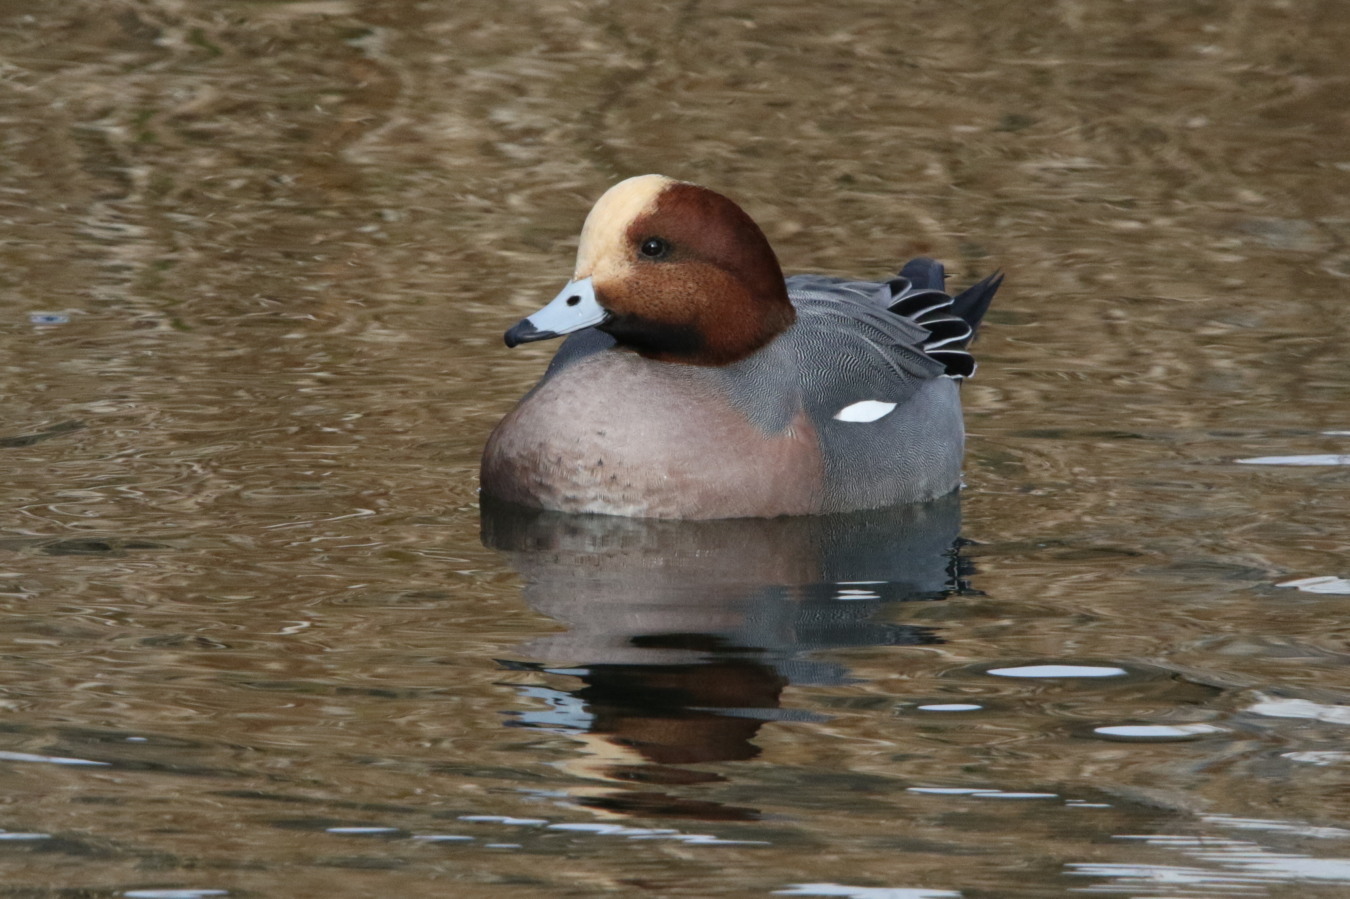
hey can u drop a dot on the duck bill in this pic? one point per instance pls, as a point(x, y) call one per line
point(575, 307)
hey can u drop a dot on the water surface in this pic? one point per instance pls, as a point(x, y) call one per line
point(260, 640)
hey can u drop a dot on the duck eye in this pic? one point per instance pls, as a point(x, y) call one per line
point(654, 248)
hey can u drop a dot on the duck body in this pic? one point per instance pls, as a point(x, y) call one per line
point(697, 382)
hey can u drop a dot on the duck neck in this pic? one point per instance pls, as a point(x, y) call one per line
point(722, 335)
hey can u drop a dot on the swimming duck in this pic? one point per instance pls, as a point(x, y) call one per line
point(700, 383)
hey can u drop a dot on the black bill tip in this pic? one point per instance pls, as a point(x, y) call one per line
point(525, 332)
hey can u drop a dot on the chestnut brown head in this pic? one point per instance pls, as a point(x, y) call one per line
point(678, 273)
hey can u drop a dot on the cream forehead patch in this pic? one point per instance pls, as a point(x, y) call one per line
point(602, 235)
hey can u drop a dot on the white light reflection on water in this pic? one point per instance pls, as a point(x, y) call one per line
point(1243, 865)
point(1059, 671)
point(45, 759)
point(1324, 584)
point(1322, 758)
point(504, 819)
point(1128, 878)
point(1158, 731)
point(851, 892)
point(1301, 708)
point(980, 793)
point(1314, 459)
point(608, 830)
point(1266, 826)
point(945, 791)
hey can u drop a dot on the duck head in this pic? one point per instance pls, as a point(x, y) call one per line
point(673, 271)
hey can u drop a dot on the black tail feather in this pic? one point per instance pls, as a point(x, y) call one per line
point(919, 295)
point(972, 303)
point(925, 273)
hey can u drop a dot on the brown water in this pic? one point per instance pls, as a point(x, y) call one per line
point(257, 258)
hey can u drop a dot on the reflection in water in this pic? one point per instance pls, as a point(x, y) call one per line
point(684, 634)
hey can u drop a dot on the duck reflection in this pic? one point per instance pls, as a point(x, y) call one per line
point(681, 635)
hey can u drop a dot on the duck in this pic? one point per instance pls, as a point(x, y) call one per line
point(697, 382)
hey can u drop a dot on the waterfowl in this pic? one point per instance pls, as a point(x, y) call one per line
point(697, 382)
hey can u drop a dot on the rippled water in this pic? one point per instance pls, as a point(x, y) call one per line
point(258, 639)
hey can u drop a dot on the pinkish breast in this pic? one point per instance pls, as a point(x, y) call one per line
point(617, 434)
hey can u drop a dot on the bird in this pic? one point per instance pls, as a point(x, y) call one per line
point(697, 382)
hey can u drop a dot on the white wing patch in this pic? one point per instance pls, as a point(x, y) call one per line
point(864, 410)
